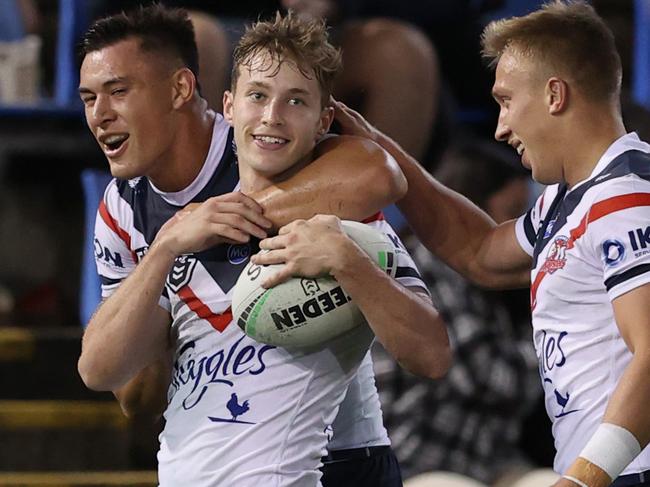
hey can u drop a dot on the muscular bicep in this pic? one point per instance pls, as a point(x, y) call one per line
point(502, 258)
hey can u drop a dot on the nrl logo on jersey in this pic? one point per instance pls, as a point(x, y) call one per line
point(181, 273)
point(556, 256)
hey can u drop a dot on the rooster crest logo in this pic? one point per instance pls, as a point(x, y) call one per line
point(235, 409)
point(556, 257)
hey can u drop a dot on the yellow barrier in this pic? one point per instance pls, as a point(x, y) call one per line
point(79, 479)
point(49, 415)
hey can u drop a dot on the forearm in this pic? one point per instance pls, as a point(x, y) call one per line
point(122, 338)
point(627, 408)
point(409, 327)
point(455, 229)
point(146, 394)
point(352, 178)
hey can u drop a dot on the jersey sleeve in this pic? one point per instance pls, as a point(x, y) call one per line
point(114, 256)
point(407, 272)
point(617, 231)
point(528, 224)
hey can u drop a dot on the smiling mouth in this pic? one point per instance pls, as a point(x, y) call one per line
point(113, 143)
point(267, 139)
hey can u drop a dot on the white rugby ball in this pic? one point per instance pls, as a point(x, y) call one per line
point(304, 312)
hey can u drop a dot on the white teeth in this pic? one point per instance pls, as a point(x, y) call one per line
point(270, 140)
point(520, 149)
point(115, 139)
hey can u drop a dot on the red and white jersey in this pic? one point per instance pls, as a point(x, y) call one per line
point(590, 245)
point(240, 412)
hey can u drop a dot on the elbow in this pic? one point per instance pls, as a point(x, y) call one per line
point(432, 364)
point(391, 179)
point(90, 377)
point(440, 363)
point(387, 177)
point(135, 408)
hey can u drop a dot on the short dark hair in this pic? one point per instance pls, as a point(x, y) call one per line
point(305, 41)
point(159, 29)
point(565, 36)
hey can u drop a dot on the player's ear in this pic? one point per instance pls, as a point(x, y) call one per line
point(556, 94)
point(326, 119)
point(183, 87)
point(228, 106)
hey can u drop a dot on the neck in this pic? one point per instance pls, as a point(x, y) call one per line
point(187, 151)
point(593, 132)
point(252, 181)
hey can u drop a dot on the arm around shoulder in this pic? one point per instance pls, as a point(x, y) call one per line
point(351, 177)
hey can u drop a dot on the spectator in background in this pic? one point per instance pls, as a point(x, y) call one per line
point(470, 421)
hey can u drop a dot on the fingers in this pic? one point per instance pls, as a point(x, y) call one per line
point(223, 233)
point(270, 257)
point(239, 203)
point(279, 277)
point(239, 217)
point(351, 122)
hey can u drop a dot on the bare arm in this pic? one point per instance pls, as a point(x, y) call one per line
point(410, 328)
point(351, 177)
point(628, 404)
point(130, 330)
point(146, 394)
point(447, 223)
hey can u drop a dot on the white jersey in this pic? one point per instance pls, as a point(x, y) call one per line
point(359, 422)
point(590, 245)
point(240, 412)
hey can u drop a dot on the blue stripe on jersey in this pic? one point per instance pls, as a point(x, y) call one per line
point(629, 162)
point(106, 281)
point(529, 229)
point(407, 272)
point(627, 275)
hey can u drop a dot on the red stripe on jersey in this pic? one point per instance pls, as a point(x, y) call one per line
point(606, 207)
point(373, 218)
point(533, 289)
point(218, 322)
point(599, 210)
point(113, 225)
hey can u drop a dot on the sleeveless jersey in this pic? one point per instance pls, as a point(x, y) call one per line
point(240, 412)
point(590, 245)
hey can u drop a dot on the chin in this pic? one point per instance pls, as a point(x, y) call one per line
point(122, 171)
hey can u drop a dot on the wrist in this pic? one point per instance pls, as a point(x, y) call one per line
point(611, 449)
point(346, 256)
point(162, 250)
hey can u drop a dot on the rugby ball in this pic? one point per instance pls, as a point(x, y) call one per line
point(304, 312)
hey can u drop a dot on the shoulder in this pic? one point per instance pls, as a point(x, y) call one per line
point(350, 143)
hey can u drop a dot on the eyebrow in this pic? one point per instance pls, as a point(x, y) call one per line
point(262, 84)
point(106, 84)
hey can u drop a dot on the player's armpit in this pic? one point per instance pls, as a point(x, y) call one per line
point(351, 178)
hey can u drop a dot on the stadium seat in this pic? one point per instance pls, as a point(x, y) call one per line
point(442, 479)
point(641, 71)
point(541, 477)
point(73, 20)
